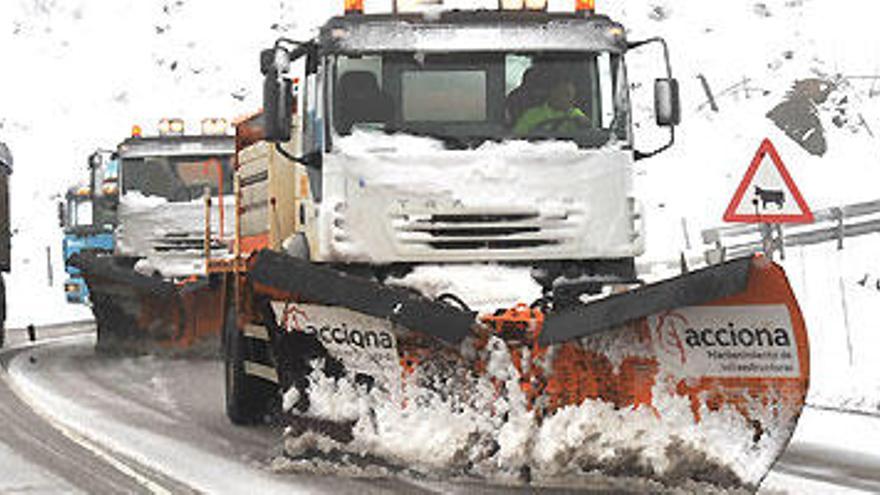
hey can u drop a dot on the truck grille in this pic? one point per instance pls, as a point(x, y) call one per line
point(182, 242)
point(484, 230)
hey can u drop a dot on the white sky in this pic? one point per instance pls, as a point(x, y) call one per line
point(78, 73)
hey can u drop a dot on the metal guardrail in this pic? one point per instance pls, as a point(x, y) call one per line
point(831, 224)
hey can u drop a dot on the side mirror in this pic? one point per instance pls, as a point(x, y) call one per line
point(667, 106)
point(95, 160)
point(61, 216)
point(277, 95)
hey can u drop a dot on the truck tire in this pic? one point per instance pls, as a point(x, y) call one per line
point(248, 399)
point(2, 312)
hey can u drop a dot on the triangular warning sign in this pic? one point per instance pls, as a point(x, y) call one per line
point(767, 193)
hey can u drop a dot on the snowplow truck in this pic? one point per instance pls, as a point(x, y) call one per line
point(88, 216)
point(152, 293)
point(399, 156)
point(5, 232)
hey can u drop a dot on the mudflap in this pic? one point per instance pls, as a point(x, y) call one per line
point(706, 394)
point(137, 314)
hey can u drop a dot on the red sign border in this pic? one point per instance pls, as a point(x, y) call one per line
point(730, 215)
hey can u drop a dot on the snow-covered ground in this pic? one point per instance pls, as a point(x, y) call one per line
point(831, 452)
point(839, 295)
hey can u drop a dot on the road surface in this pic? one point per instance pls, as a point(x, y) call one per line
point(38, 458)
point(168, 414)
point(832, 452)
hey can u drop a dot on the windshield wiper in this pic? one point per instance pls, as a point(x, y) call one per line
point(451, 141)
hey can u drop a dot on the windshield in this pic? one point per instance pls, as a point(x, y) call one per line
point(468, 98)
point(107, 179)
point(85, 212)
point(177, 178)
point(79, 211)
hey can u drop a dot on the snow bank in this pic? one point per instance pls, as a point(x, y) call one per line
point(839, 295)
point(443, 421)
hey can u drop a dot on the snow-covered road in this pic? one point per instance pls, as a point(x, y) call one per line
point(832, 451)
point(167, 416)
point(38, 458)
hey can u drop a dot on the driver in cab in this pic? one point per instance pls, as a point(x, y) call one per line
point(557, 114)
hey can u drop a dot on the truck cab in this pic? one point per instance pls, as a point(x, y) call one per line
point(418, 149)
point(164, 181)
point(5, 232)
point(153, 292)
point(88, 217)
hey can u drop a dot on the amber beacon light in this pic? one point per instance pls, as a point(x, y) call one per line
point(585, 6)
point(354, 7)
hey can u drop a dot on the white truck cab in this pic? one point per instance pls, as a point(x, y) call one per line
point(162, 184)
point(461, 137)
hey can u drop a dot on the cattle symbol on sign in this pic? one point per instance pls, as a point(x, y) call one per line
point(765, 196)
point(774, 196)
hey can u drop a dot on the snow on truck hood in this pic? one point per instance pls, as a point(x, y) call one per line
point(168, 235)
point(382, 192)
point(363, 141)
point(522, 170)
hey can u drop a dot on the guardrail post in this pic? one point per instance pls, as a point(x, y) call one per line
point(772, 240)
point(838, 217)
point(766, 240)
point(780, 241)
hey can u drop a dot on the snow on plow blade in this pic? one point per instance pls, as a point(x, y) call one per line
point(706, 392)
point(138, 314)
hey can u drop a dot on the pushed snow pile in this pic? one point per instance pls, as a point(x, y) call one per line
point(483, 288)
point(441, 418)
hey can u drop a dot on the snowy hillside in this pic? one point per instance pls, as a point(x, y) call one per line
point(759, 57)
point(751, 55)
point(79, 73)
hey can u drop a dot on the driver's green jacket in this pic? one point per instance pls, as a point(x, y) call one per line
point(535, 116)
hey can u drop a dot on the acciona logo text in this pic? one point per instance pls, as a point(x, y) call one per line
point(731, 336)
point(353, 337)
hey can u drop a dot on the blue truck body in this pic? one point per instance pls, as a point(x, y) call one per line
point(89, 219)
point(75, 242)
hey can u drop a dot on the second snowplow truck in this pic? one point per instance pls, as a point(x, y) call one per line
point(151, 293)
point(428, 154)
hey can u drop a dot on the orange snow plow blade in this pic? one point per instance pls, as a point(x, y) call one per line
point(698, 394)
point(706, 346)
point(138, 314)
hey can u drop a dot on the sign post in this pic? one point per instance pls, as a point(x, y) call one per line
point(767, 195)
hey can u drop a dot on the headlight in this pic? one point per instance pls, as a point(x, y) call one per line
point(214, 127)
point(110, 188)
point(171, 127)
